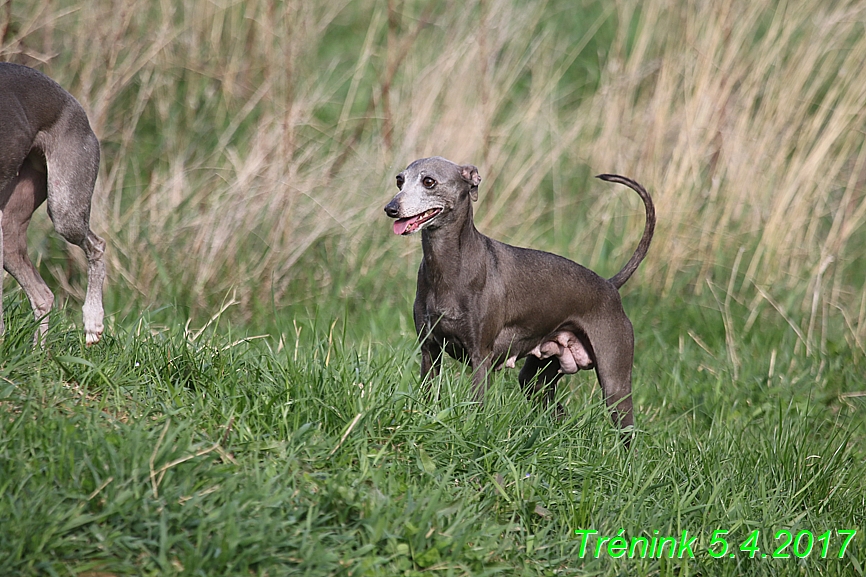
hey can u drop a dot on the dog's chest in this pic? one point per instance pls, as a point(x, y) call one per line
point(460, 309)
point(449, 318)
point(446, 319)
point(464, 326)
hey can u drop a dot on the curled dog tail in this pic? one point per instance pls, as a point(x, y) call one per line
point(622, 276)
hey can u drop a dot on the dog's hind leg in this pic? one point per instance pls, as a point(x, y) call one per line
point(73, 164)
point(14, 150)
point(28, 192)
point(614, 347)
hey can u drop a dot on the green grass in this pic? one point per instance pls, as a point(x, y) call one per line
point(313, 451)
point(255, 407)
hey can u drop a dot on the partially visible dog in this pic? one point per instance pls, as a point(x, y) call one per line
point(47, 149)
point(490, 303)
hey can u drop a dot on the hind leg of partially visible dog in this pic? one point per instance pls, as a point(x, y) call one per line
point(47, 151)
point(69, 210)
point(27, 191)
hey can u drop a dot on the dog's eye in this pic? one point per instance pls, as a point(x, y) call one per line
point(400, 181)
point(428, 182)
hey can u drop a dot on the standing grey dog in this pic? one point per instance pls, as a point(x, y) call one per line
point(490, 303)
point(47, 150)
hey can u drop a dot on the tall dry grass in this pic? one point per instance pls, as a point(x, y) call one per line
point(237, 135)
point(749, 121)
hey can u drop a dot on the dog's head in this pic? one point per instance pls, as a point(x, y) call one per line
point(430, 189)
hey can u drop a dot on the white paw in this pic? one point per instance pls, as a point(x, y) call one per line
point(92, 333)
point(93, 328)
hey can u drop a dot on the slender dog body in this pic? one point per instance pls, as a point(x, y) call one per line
point(489, 303)
point(47, 150)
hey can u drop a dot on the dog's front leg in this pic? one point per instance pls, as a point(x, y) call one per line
point(481, 367)
point(431, 352)
point(431, 360)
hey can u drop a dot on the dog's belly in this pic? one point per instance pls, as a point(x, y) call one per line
point(452, 326)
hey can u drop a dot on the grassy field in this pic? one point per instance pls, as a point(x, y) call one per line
point(255, 407)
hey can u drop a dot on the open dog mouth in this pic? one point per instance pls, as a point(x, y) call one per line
point(409, 225)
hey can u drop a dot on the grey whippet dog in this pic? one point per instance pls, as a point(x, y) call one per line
point(47, 150)
point(490, 303)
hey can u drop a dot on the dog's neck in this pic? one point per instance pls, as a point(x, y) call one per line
point(450, 251)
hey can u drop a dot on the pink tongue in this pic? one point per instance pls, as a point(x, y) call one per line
point(402, 224)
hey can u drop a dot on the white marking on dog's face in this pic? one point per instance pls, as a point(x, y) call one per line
point(429, 188)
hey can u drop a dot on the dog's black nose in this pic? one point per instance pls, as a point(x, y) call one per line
point(392, 210)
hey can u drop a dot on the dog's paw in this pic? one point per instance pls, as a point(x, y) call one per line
point(92, 338)
point(92, 331)
point(93, 327)
point(92, 335)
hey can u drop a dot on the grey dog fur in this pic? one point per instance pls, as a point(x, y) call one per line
point(47, 150)
point(489, 303)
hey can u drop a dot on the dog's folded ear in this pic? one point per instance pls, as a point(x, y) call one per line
point(470, 175)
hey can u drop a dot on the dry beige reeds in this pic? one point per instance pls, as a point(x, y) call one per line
point(236, 135)
point(748, 121)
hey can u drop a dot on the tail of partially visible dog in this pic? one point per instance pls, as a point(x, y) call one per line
point(622, 276)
